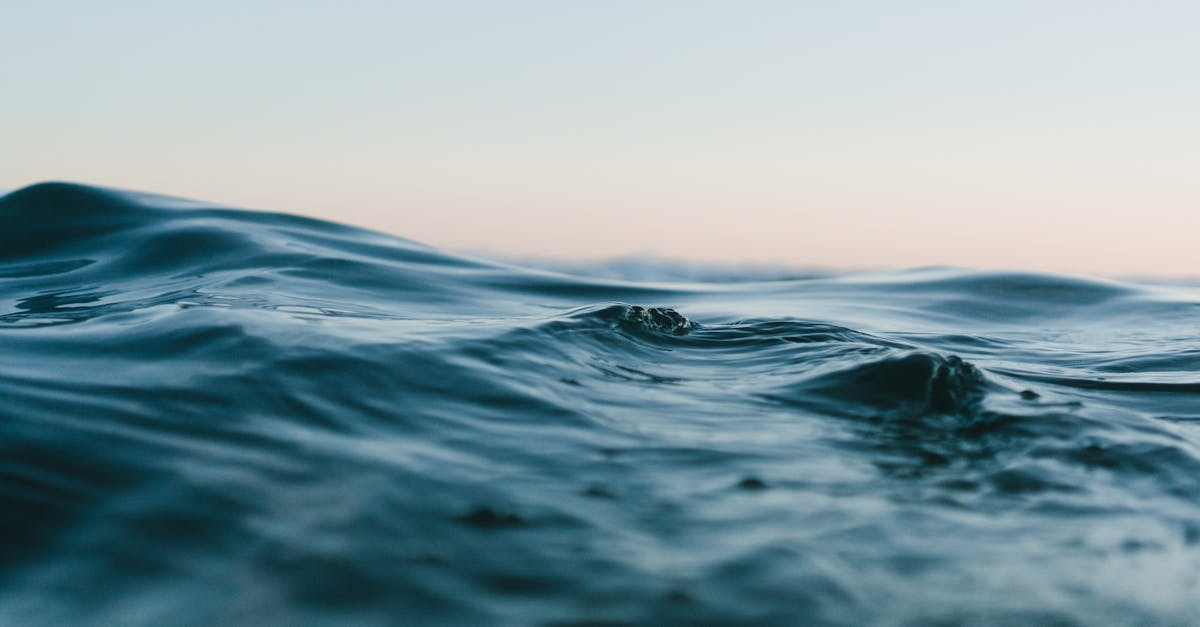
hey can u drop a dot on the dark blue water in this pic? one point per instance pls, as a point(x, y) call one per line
point(211, 416)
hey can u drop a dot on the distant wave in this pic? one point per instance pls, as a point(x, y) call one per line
point(223, 416)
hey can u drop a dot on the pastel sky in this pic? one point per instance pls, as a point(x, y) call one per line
point(1054, 135)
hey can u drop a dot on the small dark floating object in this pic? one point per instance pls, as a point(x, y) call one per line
point(752, 483)
point(1029, 395)
point(599, 492)
point(487, 518)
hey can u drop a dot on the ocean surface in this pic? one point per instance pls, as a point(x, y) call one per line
point(212, 416)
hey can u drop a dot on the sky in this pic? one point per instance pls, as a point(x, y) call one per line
point(1053, 135)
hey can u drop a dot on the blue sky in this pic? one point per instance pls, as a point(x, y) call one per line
point(1044, 135)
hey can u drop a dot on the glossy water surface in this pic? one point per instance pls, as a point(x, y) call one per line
point(211, 416)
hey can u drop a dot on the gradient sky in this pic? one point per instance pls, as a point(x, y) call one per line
point(1051, 135)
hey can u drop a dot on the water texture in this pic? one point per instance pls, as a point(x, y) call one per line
point(211, 416)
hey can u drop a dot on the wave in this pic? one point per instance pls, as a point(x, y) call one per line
point(222, 415)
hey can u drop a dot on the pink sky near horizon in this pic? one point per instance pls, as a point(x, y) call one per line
point(1010, 136)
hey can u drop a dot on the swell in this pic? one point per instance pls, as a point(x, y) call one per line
point(213, 415)
point(66, 244)
point(63, 236)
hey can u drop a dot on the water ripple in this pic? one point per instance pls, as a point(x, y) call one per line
point(213, 415)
